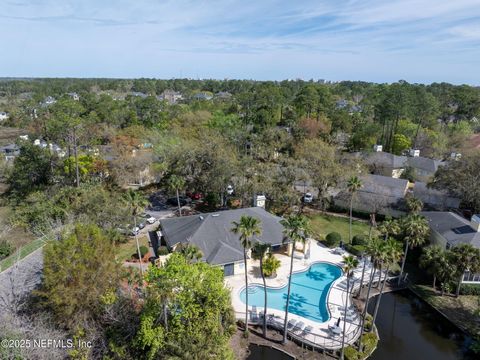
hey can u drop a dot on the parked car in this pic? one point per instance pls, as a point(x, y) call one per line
point(145, 215)
point(307, 198)
point(151, 220)
point(184, 200)
point(230, 190)
point(134, 231)
point(141, 225)
point(195, 195)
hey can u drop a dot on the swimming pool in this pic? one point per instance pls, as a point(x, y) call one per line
point(308, 295)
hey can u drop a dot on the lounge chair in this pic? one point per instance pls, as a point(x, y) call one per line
point(334, 329)
point(292, 323)
point(308, 330)
point(299, 327)
point(254, 314)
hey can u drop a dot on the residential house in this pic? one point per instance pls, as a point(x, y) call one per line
point(171, 96)
point(138, 94)
point(74, 96)
point(387, 164)
point(223, 95)
point(10, 151)
point(378, 194)
point(211, 233)
point(49, 100)
point(449, 230)
point(341, 104)
point(203, 95)
point(434, 199)
point(425, 168)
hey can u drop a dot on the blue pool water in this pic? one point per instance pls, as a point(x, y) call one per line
point(308, 295)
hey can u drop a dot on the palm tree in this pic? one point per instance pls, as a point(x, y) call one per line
point(467, 258)
point(389, 227)
point(296, 229)
point(349, 264)
point(259, 251)
point(176, 183)
point(446, 269)
point(353, 185)
point(391, 254)
point(414, 205)
point(247, 227)
point(431, 260)
point(136, 204)
point(416, 230)
point(191, 253)
point(373, 250)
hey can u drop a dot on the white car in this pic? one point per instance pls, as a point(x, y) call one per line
point(229, 189)
point(134, 231)
point(307, 198)
point(151, 220)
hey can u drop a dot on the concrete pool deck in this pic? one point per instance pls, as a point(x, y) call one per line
point(320, 336)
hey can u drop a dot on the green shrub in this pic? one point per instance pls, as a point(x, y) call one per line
point(270, 265)
point(470, 289)
point(5, 249)
point(143, 251)
point(357, 250)
point(368, 322)
point(359, 240)
point(333, 239)
point(352, 354)
point(162, 250)
point(369, 341)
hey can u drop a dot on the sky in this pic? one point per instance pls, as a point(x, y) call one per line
point(372, 40)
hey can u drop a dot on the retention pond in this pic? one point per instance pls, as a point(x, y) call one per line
point(410, 329)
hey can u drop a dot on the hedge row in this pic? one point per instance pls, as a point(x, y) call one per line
point(470, 289)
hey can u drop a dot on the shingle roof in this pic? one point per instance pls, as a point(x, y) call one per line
point(434, 197)
point(454, 228)
point(386, 159)
point(378, 193)
point(423, 163)
point(211, 233)
point(384, 185)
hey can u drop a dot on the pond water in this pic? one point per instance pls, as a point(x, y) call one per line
point(259, 352)
point(411, 330)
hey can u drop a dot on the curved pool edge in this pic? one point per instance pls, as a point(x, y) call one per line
point(320, 338)
point(306, 269)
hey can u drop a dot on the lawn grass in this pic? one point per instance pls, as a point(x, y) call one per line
point(322, 225)
point(21, 253)
point(461, 311)
point(126, 250)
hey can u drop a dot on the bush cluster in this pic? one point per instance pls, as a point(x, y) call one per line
point(143, 251)
point(162, 250)
point(5, 249)
point(470, 289)
point(357, 250)
point(333, 239)
point(359, 240)
point(369, 342)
